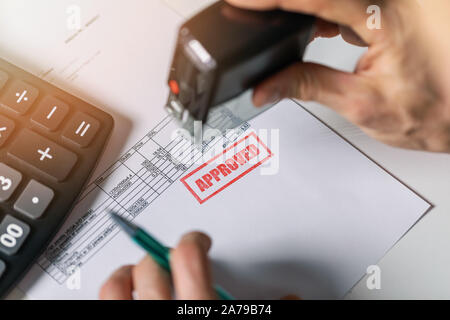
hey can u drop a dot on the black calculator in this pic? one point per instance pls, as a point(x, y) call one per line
point(50, 142)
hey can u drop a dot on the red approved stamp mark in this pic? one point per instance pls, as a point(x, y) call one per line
point(227, 167)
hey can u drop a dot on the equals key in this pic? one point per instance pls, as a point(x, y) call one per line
point(81, 129)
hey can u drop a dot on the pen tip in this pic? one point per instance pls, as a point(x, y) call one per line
point(126, 225)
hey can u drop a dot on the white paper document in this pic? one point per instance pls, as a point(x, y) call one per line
point(292, 207)
point(311, 228)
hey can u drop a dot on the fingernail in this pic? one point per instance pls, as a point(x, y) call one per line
point(267, 97)
point(200, 238)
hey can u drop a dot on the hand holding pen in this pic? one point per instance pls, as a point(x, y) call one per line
point(150, 279)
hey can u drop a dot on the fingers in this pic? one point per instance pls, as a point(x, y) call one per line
point(190, 271)
point(351, 13)
point(147, 279)
point(190, 268)
point(150, 281)
point(119, 286)
point(349, 94)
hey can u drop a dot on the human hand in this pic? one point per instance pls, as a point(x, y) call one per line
point(397, 94)
point(190, 271)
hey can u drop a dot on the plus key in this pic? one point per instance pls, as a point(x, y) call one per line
point(43, 154)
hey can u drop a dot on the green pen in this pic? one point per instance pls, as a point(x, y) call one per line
point(154, 248)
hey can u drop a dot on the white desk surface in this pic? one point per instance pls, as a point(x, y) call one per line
point(417, 266)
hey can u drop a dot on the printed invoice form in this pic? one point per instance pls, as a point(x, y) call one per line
point(311, 229)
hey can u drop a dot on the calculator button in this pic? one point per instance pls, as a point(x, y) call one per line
point(43, 154)
point(13, 233)
point(81, 129)
point(50, 113)
point(34, 200)
point(19, 97)
point(6, 128)
point(3, 78)
point(9, 180)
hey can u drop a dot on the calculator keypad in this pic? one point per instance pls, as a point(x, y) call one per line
point(43, 154)
point(50, 113)
point(50, 142)
point(34, 200)
point(19, 97)
point(9, 180)
point(6, 128)
point(13, 234)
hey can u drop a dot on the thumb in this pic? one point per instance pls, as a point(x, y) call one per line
point(346, 93)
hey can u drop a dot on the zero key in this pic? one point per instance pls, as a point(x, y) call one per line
point(43, 154)
point(13, 234)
